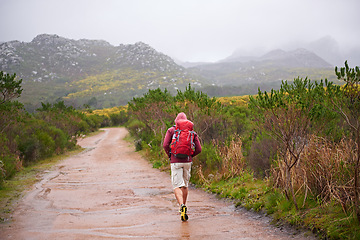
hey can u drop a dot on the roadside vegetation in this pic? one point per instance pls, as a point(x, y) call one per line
point(51, 130)
point(292, 153)
point(31, 143)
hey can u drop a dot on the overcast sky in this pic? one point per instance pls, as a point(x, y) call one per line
point(189, 30)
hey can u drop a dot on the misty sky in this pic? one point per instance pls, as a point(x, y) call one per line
point(189, 30)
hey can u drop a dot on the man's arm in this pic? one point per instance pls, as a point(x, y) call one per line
point(167, 141)
point(198, 147)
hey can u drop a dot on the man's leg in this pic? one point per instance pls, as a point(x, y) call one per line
point(179, 195)
point(180, 175)
point(185, 192)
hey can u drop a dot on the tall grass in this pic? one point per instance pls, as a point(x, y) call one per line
point(328, 169)
point(325, 171)
point(233, 161)
point(219, 161)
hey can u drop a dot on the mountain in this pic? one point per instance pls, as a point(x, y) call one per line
point(54, 67)
point(273, 66)
point(50, 57)
point(329, 49)
point(325, 47)
point(299, 58)
point(98, 74)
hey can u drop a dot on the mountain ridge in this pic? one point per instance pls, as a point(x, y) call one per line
point(299, 57)
point(273, 66)
point(54, 67)
point(47, 52)
point(96, 73)
point(325, 47)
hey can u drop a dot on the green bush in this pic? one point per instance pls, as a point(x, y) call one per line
point(119, 118)
point(26, 138)
point(262, 151)
point(60, 139)
point(9, 162)
point(51, 131)
point(205, 165)
point(99, 121)
point(29, 148)
point(138, 145)
point(46, 143)
point(209, 158)
point(82, 127)
point(136, 128)
point(2, 172)
point(106, 122)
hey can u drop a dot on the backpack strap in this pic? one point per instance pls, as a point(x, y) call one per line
point(192, 136)
point(174, 136)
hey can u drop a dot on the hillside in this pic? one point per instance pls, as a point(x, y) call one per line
point(54, 67)
point(272, 67)
point(97, 74)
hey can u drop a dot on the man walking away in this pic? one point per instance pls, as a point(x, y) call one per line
point(181, 144)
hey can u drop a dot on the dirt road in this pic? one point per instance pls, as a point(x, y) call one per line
point(110, 192)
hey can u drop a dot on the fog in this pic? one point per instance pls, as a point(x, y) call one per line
point(189, 30)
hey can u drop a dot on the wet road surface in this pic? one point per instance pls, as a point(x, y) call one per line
point(110, 192)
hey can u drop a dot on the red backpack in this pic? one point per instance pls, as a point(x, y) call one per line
point(182, 144)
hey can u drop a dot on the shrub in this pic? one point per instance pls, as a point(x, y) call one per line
point(136, 127)
point(30, 137)
point(206, 165)
point(328, 170)
point(99, 121)
point(82, 127)
point(2, 172)
point(232, 159)
point(46, 143)
point(138, 145)
point(38, 140)
point(262, 151)
point(9, 162)
point(119, 118)
point(29, 148)
point(60, 139)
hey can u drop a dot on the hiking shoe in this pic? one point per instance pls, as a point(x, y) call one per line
point(184, 216)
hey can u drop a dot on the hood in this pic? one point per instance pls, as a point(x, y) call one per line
point(180, 117)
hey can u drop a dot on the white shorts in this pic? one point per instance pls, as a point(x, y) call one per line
point(180, 174)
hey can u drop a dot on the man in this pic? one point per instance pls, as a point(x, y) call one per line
point(180, 167)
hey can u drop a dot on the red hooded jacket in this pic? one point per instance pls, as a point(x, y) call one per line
point(168, 139)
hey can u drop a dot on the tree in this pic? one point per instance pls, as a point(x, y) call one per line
point(153, 109)
point(11, 113)
point(346, 102)
point(9, 87)
point(204, 111)
point(291, 115)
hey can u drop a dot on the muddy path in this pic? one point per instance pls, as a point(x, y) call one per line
point(110, 192)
